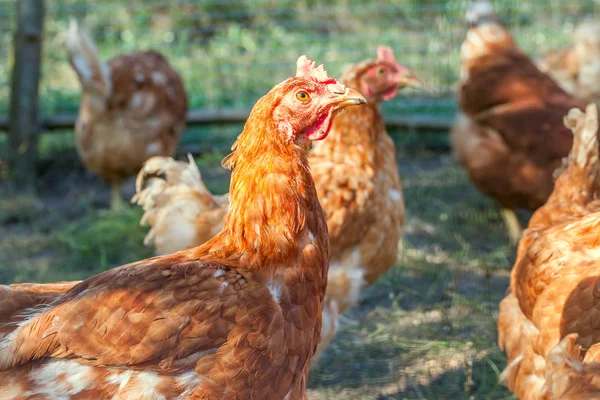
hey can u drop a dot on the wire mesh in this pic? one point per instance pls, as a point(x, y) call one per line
point(426, 330)
point(231, 52)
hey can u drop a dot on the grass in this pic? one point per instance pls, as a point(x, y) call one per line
point(426, 330)
point(54, 247)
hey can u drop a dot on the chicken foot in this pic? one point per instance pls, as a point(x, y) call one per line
point(116, 202)
point(515, 231)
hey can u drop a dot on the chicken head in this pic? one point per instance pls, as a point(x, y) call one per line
point(381, 79)
point(310, 101)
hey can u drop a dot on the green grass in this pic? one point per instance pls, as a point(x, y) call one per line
point(59, 249)
point(426, 330)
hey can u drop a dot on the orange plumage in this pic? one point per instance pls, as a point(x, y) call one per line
point(17, 299)
point(553, 288)
point(569, 377)
point(132, 108)
point(238, 317)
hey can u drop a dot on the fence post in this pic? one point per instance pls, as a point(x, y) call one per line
point(24, 101)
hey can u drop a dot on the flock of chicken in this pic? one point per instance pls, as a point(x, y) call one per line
point(249, 286)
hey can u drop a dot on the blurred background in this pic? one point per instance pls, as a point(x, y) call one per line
point(230, 52)
point(427, 329)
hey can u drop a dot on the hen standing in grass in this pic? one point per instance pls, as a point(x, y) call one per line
point(239, 317)
point(357, 181)
point(552, 292)
point(509, 135)
point(132, 108)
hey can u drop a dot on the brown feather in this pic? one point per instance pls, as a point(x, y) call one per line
point(554, 281)
point(509, 136)
point(358, 184)
point(135, 111)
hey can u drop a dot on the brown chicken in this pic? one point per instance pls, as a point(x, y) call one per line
point(236, 318)
point(358, 184)
point(132, 108)
point(509, 135)
point(357, 181)
point(550, 279)
point(577, 69)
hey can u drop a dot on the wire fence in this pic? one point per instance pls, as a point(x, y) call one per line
point(230, 52)
point(424, 331)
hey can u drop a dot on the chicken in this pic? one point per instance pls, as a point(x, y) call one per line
point(509, 134)
point(357, 182)
point(238, 317)
point(552, 260)
point(180, 210)
point(577, 69)
point(132, 108)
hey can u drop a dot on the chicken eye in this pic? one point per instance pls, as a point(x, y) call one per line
point(380, 71)
point(302, 96)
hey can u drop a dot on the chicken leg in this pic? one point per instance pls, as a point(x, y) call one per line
point(515, 231)
point(116, 202)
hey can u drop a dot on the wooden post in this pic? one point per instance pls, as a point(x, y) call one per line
point(24, 102)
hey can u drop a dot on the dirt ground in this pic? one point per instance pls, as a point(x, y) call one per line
point(426, 330)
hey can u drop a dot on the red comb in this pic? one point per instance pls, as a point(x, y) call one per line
point(385, 53)
point(306, 68)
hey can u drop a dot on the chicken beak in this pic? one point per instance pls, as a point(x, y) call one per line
point(347, 97)
point(410, 80)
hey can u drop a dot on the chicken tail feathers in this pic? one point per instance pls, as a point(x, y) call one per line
point(177, 205)
point(173, 173)
point(584, 153)
point(93, 73)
